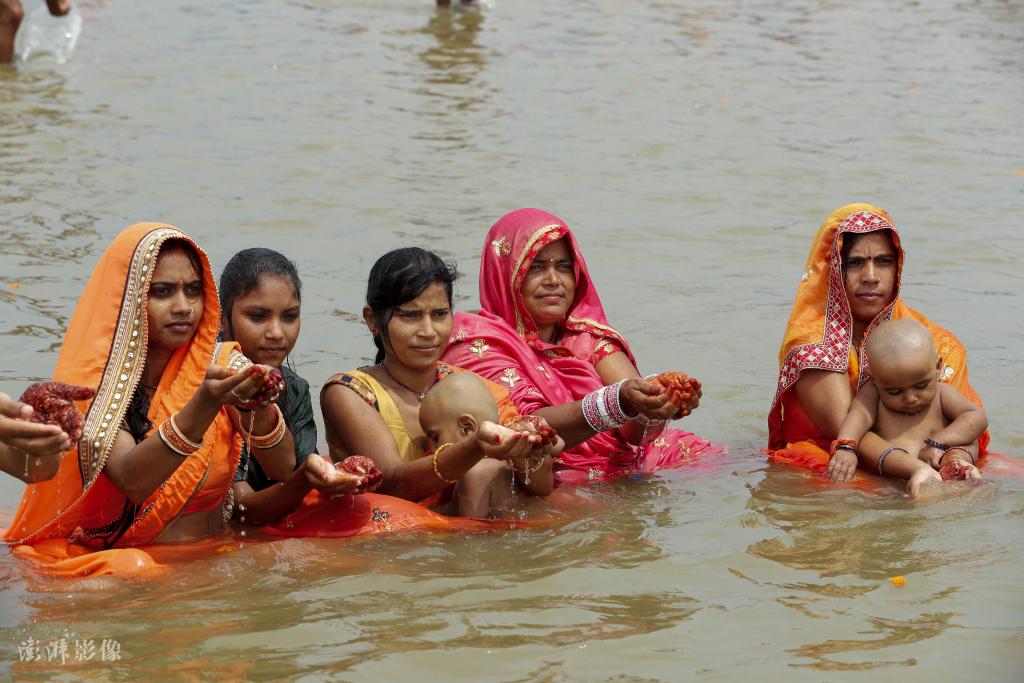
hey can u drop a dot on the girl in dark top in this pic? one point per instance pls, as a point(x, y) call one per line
point(261, 298)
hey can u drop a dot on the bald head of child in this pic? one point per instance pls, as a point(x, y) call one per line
point(455, 407)
point(904, 365)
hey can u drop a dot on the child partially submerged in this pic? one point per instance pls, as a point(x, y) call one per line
point(929, 426)
point(461, 407)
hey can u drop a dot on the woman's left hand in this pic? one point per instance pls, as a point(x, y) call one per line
point(331, 481)
point(503, 443)
point(267, 390)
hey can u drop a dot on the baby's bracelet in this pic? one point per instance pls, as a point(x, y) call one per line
point(540, 463)
point(528, 470)
point(935, 444)
point(844, 444)
point(885, 454)
point(437, 452)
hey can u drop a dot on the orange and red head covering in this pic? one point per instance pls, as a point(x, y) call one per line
point(819, 334)
point(105, 348)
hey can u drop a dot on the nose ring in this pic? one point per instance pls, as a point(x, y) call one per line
point(191, 309)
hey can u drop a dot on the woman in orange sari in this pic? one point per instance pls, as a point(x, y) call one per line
point(850, 284)
point(160, 443)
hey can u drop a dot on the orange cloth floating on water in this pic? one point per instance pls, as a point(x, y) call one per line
point(57, 557)
point(820, 332)
point(316, 517)
point(371, 513)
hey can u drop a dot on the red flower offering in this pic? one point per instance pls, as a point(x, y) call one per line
point(682, 389)
point(53, 403)
point(955, 470)
point(273, 385)
point(538, 425)
point(361, 466)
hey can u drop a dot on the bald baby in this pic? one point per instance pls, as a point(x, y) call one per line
point(899, 341)
point(455, 407)
point(929, 425)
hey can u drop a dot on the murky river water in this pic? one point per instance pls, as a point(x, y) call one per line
point(695, 147)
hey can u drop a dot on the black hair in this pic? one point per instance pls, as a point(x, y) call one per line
point(851, 238)
point(400, 276)
point(179, 244)
point(244, 272)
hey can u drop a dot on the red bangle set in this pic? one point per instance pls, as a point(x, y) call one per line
point(176, 440)
point(270, 440)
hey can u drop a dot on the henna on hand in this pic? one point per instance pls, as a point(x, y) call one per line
point(273, 386)
point(955, 469)
point(53, 403)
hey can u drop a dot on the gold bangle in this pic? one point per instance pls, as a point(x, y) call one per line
point(437, 452)
point(274, 437)
point(190, 442)
point(173, 438)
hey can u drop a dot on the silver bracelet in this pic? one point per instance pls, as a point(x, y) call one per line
point(885, 454)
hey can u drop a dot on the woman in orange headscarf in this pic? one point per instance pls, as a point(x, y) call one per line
point(152, 473)
point(850, 284)
point(160, 444)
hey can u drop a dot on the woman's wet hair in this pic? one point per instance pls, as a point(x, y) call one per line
point(400, 276)
point(246, 270)
point(185, 247)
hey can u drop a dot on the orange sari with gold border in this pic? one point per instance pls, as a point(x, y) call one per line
point(819, 335)
point(67, 524)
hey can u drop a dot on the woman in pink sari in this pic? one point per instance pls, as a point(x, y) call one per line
point(543, 334)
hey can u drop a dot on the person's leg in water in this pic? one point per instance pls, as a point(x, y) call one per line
point(11, 16)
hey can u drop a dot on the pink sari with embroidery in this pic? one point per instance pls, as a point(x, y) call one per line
point(501, 343)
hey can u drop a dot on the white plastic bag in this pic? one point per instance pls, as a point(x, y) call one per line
point(41, 33)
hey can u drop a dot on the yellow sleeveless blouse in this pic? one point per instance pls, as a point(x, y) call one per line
point(371, 391)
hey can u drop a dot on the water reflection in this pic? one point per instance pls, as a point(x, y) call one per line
point(835, 533)
point(887, 632)
point(457, 58)
point(855, 540)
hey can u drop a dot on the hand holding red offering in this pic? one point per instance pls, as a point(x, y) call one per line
point(684, 391)
point(955, 470)
point(273, 385)
point(53, 403)
point(361, 466)
point(538, 426)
